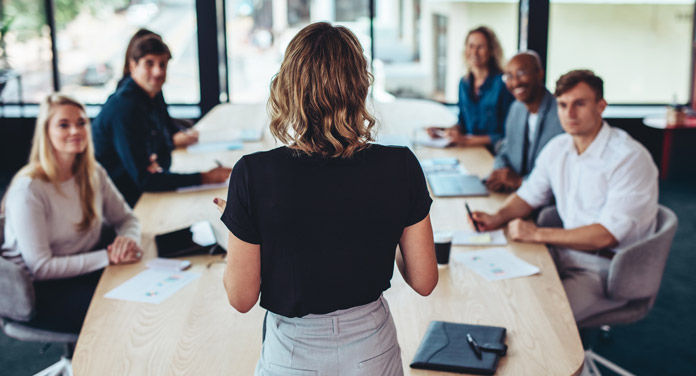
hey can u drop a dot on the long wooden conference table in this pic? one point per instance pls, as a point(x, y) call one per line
point(196, 331)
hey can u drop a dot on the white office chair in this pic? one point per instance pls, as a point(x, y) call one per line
point(17, 308)
point(635, 274)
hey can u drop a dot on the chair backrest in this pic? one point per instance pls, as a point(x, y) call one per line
point(636, 271)
point(549, 217)
point(16, 288)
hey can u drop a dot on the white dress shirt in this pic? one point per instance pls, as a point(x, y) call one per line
point(532, 121)
point(612, 183)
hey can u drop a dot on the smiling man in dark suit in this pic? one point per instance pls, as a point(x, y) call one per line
point(531, 122)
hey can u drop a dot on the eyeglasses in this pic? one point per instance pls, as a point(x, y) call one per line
point(519, 74)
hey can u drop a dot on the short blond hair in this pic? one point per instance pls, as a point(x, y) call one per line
point(318, 98)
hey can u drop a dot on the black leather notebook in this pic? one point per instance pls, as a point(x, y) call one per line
point(445, 348)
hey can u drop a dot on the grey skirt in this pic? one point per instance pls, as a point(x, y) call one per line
point(355, 341)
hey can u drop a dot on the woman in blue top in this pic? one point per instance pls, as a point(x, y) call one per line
point(483, 99)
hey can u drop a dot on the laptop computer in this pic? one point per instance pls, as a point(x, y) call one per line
point(446, 184)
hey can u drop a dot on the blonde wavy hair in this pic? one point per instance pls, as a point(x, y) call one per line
point(43, 164)
point(495, 63)
point(318, 98)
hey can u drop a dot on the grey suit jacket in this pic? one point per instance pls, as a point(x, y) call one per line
point(548, 126)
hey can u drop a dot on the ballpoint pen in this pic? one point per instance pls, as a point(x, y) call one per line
point(218, 163)
point(471, 217)
point(474, 345)
point(212, 249)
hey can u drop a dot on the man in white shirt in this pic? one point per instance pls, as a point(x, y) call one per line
point(605, 185)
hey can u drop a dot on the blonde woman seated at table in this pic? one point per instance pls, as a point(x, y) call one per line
point(55, 207)
point(314, 225)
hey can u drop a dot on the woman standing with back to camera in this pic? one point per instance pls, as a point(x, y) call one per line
point(314, 225)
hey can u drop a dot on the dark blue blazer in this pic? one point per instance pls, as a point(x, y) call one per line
point(130, 127)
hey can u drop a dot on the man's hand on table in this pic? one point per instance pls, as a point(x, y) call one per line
point(504, 180)
point(523, 231)
point(485, 221)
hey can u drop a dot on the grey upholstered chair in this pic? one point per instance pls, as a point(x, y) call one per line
point(17, 310)
point(635, 274)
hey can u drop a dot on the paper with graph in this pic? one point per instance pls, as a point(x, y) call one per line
point(152, 286)
point(495, 264)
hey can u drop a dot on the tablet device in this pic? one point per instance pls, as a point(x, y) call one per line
point(198, 238)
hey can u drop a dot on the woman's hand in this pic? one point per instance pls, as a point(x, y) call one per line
point(123, 251)
point(436, 132)
point(185, 138)
point(220, 203)
point(217, 175)
point(154, 166)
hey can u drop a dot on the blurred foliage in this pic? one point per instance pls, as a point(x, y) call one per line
point(30, 16)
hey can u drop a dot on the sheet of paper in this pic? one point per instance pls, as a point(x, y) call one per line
point(231, 135)
point(442, 165)
point(204, 147)
point(203, 187)
point(152, 286)
point(495, 264)
point(421, 137)
point(467, 237)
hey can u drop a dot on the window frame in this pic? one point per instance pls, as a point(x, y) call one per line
point(213, 63)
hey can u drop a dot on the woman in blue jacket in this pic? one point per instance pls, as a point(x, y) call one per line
point(132, 133)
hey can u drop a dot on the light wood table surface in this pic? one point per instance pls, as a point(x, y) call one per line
point(196, 332)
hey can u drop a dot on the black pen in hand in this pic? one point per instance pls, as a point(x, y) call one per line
point(471, 216)
point(474, 345)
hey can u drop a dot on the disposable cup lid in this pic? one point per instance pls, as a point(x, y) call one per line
point(442, 236)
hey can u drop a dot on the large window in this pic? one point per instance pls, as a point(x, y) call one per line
point(25, 52)
point(92, 36)
point(419, 44)
point(92, 43)
point(641, 49)
point(259, 31)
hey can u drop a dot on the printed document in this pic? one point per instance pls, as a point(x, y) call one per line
point(152, 286)
point(495, 264)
